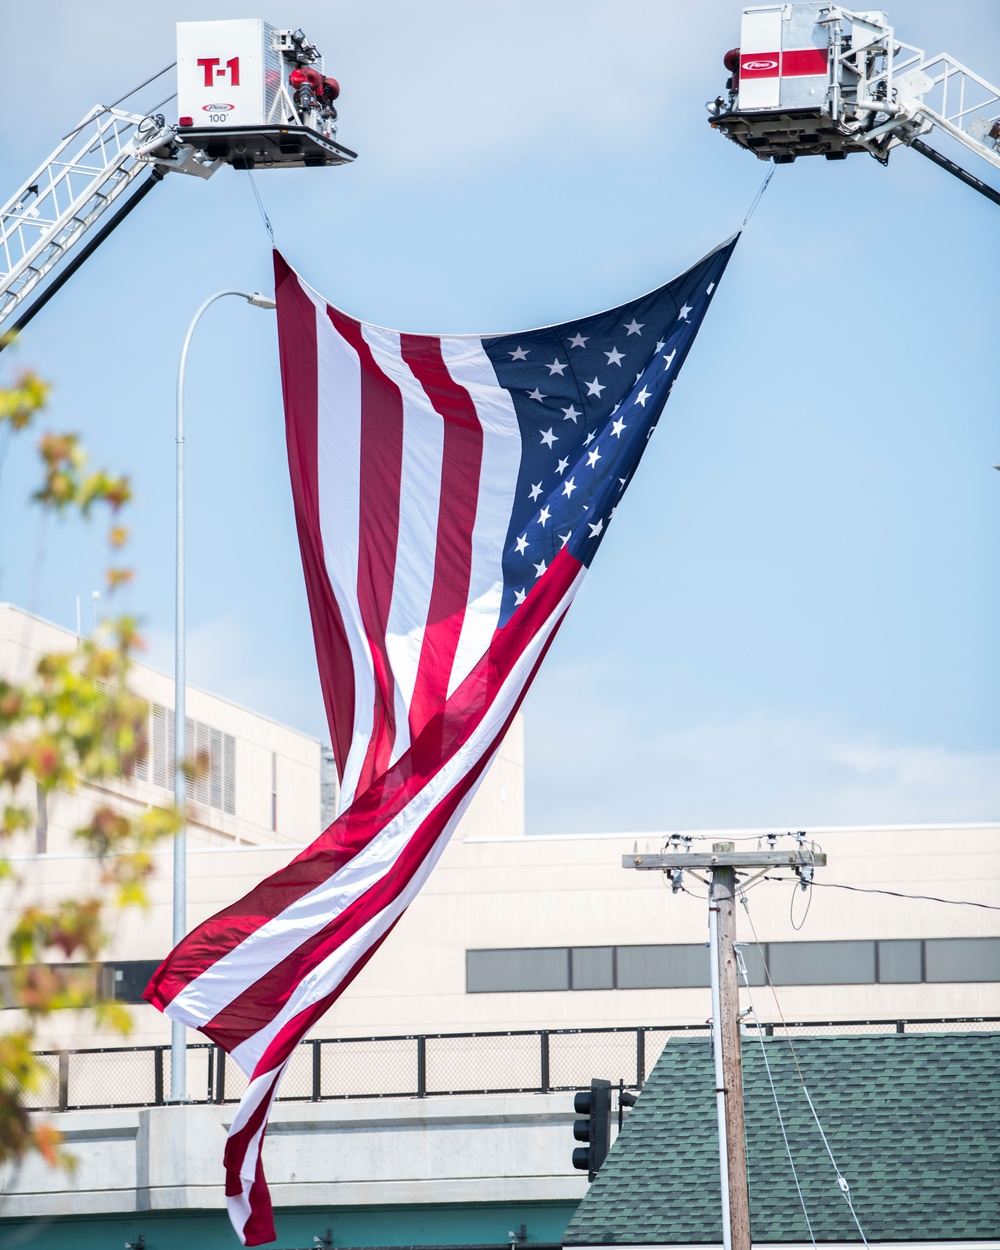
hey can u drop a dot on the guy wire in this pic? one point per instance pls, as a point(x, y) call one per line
point(845, 1189)
point(774, 1095)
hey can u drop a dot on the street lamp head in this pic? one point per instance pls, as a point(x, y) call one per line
point(261, 301)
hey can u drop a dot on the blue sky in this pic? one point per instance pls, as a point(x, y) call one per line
point(794, 620)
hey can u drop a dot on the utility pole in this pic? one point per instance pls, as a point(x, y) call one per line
point(723, 863)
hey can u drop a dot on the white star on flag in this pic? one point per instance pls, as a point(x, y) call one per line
point(571, 414)
point(643, 396)
point(595, 388)
point(535, 491)
point(556, 367)
point(521, 544)
point(536, 394)
point(615, 357)
point(635, 327)
point(548, 438)
point(578, 340)
point(683, 314)
point(519, 354)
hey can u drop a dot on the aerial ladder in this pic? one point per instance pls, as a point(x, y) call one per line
point(815, 79)
point(249, 95)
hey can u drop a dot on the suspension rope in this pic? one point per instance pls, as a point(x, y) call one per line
point(757, 198)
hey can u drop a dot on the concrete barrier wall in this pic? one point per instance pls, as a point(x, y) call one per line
point(473, 1149)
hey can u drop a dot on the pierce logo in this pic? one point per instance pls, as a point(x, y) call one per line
point(218, 108)
point(760, 64)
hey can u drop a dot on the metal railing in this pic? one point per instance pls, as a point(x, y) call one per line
point(532, 1061)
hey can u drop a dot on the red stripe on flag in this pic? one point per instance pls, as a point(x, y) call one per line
point(381, 473)
point(259, 1227)
point(461, 463)
point(297, 353)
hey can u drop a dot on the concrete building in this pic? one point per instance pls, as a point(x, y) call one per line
point(514, 932)
point(262, 788)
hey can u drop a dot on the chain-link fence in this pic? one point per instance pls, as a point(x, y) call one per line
point(418, 1066)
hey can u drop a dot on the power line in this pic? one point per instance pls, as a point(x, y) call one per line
point(924, 898)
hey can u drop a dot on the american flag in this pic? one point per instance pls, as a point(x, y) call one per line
point(450, 493)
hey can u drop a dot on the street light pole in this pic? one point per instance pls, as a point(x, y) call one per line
point(178, 1042)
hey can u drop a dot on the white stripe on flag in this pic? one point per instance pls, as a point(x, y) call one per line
point(338, 456)
point(416, 546)
point(470, 367)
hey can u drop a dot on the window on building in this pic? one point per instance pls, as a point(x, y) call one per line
point(821, 963)
point(216, 786)
point(125, 981)
point(963, 959)
point(663, 967)
point(329, 787)
point(497, 971)
point(41, 820)
point(754, 958)
point(900, 962)
point(592, 968)
point(668, 966)
point(122, 981)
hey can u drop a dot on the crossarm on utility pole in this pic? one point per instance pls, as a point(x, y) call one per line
point(724, 859)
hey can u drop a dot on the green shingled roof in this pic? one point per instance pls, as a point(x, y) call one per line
point(912, 1121)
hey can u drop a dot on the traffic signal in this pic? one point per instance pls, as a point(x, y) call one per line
point(626, 1101)
point(595, 1130)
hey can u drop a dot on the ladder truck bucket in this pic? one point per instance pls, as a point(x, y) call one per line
point(255, 97)
point(779, 91)
point(816, 79)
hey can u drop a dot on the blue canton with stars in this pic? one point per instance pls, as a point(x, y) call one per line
point(588, 395)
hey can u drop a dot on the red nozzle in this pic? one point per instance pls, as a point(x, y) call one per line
point(333, 87)
point(306, 74)
point(732, 60)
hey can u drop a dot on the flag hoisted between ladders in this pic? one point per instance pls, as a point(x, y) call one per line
point(450, 493)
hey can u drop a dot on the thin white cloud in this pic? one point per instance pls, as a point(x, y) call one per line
point(593, 766)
